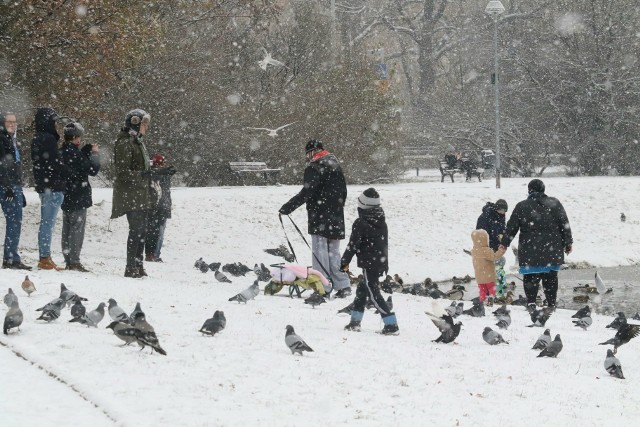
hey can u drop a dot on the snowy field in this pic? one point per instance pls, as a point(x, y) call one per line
point(247, 376)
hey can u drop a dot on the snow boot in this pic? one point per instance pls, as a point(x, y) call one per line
point(390, 325)
point(47, 263)
point(356, 318)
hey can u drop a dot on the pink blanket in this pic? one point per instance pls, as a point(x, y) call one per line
point(302, 271)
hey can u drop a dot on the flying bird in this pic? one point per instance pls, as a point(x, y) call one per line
point(602, 289)
point(51, 311)
point(10, 297)
point(13, 318)
point(543, 341)
point(492, 337)
point(274, 132)
point(28, 286)
point(214, 325)
point(625, 333)
point(281, 251)
point(268, 60)
point(449, 331)
point(585, 311)
point(294, 342)
point(553, 348)
point(612, 365)
point(248, 294)
point(221, 277)
point(116, 312)
point(92, 318)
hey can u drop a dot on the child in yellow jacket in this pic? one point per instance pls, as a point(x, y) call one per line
point(484, 259)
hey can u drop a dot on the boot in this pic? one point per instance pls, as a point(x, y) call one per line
point(142, 272)
point(47, 263)
point(132, 272)
point(390, 325)
point(356, 318)
point(76, 266)
point(16, 265)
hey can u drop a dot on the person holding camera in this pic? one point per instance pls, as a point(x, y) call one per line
point(161, 211)
point(82, 162)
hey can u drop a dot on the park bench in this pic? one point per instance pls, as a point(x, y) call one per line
point(260, 169)
point(447, 170)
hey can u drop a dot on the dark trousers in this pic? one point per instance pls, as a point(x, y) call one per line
point(549, 286)
point(73, 226)
point(137, 234)
point(154, 224)
point(370, 288)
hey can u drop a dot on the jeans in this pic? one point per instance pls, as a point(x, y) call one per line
point(160, 239)
point(327, 252)
point(73, 225)
point(50, 203)
point(13, 216)
point(137, 234)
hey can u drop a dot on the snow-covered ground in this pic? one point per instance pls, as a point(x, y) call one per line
point(247, 376)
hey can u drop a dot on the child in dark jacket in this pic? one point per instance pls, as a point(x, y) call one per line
point(369, 242)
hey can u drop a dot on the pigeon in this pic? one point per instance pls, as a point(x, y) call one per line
point(451, 309)
point(583, 322)
point(553, 348)
point(586, 311)
point(623, 217)
point(456, 293)
point(501, 310)
point(636, 316)
point(10, 297)
point(135, 311)
point(268, 60)
point(492, 337)
point(543, 341)
point(28, 286)
point(389, 305)
point(520, 301)
point(347, 310)
point(78, 310)
point(51, 311)
point(116, 313)
point(221, 277)
point(315, 299)
point(444, 322)
point(504, 320)
point(476, 310)
point(539, 317)
point(118, 329)
point(214, 266)
point(618, 321)
point(459, 309)
point(612, 365)
point(281, 251)
point(69, 296)
point(625, 333)
point(435, 293)
point(294, 342)
point(602, 289)
point(13, 318)
point(237, 269)
point(263, 273)
point(92, 318)
point(398, 279)
point(215, 324)
point(146, 335)
point(201, 265)
point(248, 294)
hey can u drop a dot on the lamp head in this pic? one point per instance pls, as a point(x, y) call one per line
point(494, 8)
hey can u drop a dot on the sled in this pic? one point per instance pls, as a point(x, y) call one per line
point(298, 278)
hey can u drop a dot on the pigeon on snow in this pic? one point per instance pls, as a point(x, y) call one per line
point(492, 337)
point(78, 310)
point(612, 365)
point(28, 286)
point(214, 325)
point(636, 316)
point(263, 273)
point(248, 294)
point(214, 266)
point(69, 296)
point(294, 342)
point(585, 311)
point(51, 311)
point(201, 265)
point(539, 317)
point(504, 320)
point(13, 318)
point(618, 321)
point(119, 329)
point(116, 312)
point(389, 304)
point(625, 333)
point(236, 269)
point(347, 310)
point(543, 341)
point(583, 322)
point(315, 299)
point(476, 310)
point(451, 309)
point(145, 334)
point(449, 331)
point(623, 217)
point(221, 277)
point(137, 309)
point(10, 297)
point(501, 310)
point(553, 348)
point(92, 318)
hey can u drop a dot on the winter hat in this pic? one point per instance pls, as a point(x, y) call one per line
point(73, 129)
point(158, 160)
point(536, 186)
point(501, 204)
point(313, 144)
point(134, 118)
point(369, 199)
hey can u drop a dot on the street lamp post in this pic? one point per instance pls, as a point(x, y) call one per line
point(495, 9)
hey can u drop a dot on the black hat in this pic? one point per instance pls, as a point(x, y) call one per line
point(501, 204)
point(369, 199)
point(536, 186)
point(134, 118)
point(313, 144)
point(73, 129)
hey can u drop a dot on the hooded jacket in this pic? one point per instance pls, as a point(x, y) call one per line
point(82, 164)
point(493, 223)
point(369, 241)
point(484, 258)
point(10, 168)
point(49, 171)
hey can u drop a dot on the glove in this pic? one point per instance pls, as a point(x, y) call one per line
point(86, 150)
point(568, 249)
point(344, 268)
point(285, 210)
point(8, 194)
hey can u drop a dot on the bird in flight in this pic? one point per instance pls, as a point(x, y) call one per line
point(269, 60)
point(273, 132)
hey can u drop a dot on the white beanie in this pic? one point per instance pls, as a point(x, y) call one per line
point(369, 199)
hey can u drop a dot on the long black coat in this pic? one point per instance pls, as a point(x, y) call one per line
point(325, 192)
point(369, 241)
point(493, 223)
point(10, 169)
point(544, 231)
point(49, 172)
point(82, 164)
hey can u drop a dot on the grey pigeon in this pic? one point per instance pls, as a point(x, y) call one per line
point(456, 293)
point(459, 309)
point(263, 273)
point(583, 322)
point(504, 320)
point(281, 251)
point(521, 300)
point(51, 311)
point(543, 341)
point(449, 331)
point(118, 329)
point(236, 269)
point(636, 316)
point(492, 337)
point(618, 321)
point(476, 310)
point(213, 266)
point(92, 318)
point(612, 365)
point(347, 310)
point(451, 309)
point(625, 333)
point(553, 348)
point(146, 335)
point(13, 318)
point(116, 312)
point(585, 311)
point(248, 294)
point(539, 317)
point(294, 342)
point(69, 296)
point(10, 297)
point(623, 217)
point(78, 310)
point(137, 309)
point(201, 265)
point(214, 325)
point(389, 304)
point(221, 277)
point(315, 299)
point(501, 310)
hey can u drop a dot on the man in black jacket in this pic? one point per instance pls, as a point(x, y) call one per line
point(82, 163)
point(545, 236)
point(11, 196)
point(324, 192)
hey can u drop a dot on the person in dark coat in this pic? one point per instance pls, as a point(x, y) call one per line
point(50, 175)
point(158, 215)
point(324, 192)
point(82, 162)
point(369, 242)
point(11, 197)
point(492, 220)
point(545, 237)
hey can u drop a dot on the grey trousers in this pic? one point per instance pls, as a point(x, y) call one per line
point(327, 251)
point(73, 225)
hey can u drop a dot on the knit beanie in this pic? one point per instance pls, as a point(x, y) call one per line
point(313, 144)
point(501, 204)
point(73, 129)
point(369, 199)
point(536, 186)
